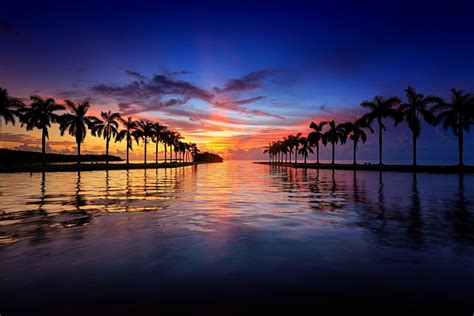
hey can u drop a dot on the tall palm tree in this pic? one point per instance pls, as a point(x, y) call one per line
point(76, 122)
point(107, 126)
point(457, 115)
point(8, 106)
point(194, 150)
point(268, 150)
point(174, 139)
point(40, 115)
point(166, 139)
point(305, 148)
point(158, 130)
point(296, 141)
point(335, 133)
point(143, 131)
point(417, 107)
point(380, 108)
point(356, 133)
point(130, 126)
point(316, 136)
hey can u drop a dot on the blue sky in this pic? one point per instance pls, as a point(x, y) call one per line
point(286, 63)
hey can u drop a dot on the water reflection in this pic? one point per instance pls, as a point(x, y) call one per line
point(394, 209)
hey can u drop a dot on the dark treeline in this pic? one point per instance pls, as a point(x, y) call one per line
point(73, 119)
point(8, 156)
point(207, 157)
point(456, 114)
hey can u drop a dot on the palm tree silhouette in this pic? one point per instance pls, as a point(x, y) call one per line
point(335, 133)
point(194, 150)
point(166, 139)
point(305, 148)
point(127, 133)
point(356, 132)
point(8, 106)
point(143, 131)
point(380, 108)
point(316, 136)
point(410, 112)
point(268, 150)
point(457, 115)
point(107, 127)
point(158, 130)
point(40, 114)
point(76, 122)
point(296, 142)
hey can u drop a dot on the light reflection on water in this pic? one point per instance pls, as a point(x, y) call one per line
point(219, 225)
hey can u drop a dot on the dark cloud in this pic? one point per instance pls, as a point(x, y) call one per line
point(134, 74)
point(162, 92)
point(238, 106)
point(248, 82)
point(157, 88)
point(8, 29)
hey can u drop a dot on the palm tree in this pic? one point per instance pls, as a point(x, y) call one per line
point(40, 114)
point(335, 133)
point(268, 150)
point(127, 133)
point(144, 130)
point(77, 122)
point(174, 138)
point(194, 150)
point(166, 139)
point(416, 107)
point(356, 132)
point(296, 140)
point(316, 136)
point(380, 108)
point(158, 130)
point(457, 115)
point(7, 108)
point(107, 126)
point(305, 149)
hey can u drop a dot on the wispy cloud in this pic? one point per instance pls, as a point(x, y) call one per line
point(250, 81)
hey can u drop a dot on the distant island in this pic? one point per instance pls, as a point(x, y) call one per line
point(207, 157)
point(8, 156)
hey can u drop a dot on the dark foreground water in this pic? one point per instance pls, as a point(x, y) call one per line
point(236, 237)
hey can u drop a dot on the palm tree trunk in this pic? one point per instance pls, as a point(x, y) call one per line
point(414, 149)
point(460, 146)
point(107, 150)
point(380, 140)
point(145, 149)
point(296, 154)
point(355, 153)
point(317, 152)
point(78, 153)
point(290, 156)
point(43, 145)
point(305, 159)
point(166, 154)
point(156, 155)
point(333, 151)
point(128, 142)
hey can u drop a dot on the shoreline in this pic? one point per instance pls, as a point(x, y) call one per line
point(91, 167)
point(375, 167)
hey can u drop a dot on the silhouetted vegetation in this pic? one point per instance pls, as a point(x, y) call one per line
point(42, 113)
point(207, 157)
point(457, 115)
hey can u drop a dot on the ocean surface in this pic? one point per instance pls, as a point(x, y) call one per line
point(235, 237)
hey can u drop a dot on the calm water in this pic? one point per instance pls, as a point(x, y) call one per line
point(236, 236)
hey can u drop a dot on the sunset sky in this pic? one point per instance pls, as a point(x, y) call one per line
point(232, 76)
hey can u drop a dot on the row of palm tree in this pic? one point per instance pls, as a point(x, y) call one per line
point(42, 113)
point(456, 114)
